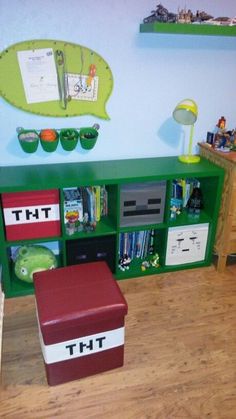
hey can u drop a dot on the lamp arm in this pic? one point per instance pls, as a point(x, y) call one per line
point(190, 145)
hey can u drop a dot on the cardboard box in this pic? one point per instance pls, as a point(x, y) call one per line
point(31, 215)
point(81, 314)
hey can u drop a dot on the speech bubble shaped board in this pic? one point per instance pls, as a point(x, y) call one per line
point(55, 78)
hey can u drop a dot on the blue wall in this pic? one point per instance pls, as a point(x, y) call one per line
point(151, 74)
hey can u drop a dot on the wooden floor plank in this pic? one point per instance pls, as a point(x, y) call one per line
point(180, 355)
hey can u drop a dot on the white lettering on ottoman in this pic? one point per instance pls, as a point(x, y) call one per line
point(83, 346)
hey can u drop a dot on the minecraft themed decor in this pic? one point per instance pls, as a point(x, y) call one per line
point(142, 203)
point(186, 244)
point(81, 313)
point(31, 215)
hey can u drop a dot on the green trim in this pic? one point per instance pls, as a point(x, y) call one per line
point(187, 29)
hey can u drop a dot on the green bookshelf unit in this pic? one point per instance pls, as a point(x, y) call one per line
point(129, 207)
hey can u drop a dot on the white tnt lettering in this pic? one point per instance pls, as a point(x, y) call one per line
point(83, 346)
point(32, 214)
point(91, 344)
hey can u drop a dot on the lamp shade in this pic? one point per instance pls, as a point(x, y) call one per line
point(186, 112)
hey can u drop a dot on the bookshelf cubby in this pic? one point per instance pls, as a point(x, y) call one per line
point(135, 178)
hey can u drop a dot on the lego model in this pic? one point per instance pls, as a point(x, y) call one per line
point(161, 14)
point(195, 202)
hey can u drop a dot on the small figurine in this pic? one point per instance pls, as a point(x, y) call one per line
point(222, 137)
point(88, 225)
point(175, 208)
point(161, 14)
point(124, 262)
point(145, 265)
point(155, 261)
point(195, 203)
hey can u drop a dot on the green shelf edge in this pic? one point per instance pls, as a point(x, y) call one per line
point(188, 29)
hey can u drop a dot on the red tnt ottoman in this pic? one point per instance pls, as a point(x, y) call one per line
point(81, 314)
point(31, 214)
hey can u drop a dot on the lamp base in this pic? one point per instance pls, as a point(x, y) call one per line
point(189, 158)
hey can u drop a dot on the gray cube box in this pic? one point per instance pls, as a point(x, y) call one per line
point(142, 203)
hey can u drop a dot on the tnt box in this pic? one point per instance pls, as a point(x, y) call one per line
point(30, 215)
point(81, 314)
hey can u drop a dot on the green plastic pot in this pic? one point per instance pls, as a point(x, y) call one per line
point(69, 139)
point(50, 146)
point(88, 138)
point(29, 140)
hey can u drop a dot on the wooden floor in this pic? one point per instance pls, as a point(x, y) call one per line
point(180, 356)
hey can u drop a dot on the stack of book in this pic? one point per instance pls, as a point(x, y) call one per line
point(138, 244)
point(90, 202)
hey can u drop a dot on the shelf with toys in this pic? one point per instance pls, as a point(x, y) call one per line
point(118, 211)
point(186, 22)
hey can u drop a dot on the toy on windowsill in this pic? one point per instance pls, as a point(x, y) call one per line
point(32, 259)
point(195, 202)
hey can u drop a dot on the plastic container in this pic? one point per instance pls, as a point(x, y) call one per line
point(29, 140)
point(88, 138)
point(49, 143)
point(69, 138)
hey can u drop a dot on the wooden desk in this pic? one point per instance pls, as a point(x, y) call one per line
point(225, 242)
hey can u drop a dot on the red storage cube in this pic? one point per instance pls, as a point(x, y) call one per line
point(31, 215)
point(81, 314)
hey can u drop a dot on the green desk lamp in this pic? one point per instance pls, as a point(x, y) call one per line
point(186, 113)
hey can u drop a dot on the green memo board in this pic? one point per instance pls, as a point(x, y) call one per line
point(77, 63)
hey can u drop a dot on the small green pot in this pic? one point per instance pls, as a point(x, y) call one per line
point(88, 138)
point(29, 140)
point(69, 139)
point(49, 146)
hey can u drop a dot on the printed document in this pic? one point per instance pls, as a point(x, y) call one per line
point(39, 75)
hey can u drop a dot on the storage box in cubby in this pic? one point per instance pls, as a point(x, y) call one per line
point(142, 203)
point(186, 244)
point(92, 249)
point(81, 313)
point(31, 214)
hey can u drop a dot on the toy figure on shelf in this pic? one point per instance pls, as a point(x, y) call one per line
point(155, 261)
point(87, 224)
point(175, 208)
point(222, 137)
point(161, 14)
point(195, 202)
point(72, 218)
point(124, 262)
